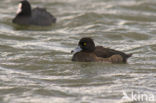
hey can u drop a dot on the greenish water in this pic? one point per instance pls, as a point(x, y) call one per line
point(35, 63)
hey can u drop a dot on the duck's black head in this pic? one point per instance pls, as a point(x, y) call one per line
point(24, 8)
point(85, 45)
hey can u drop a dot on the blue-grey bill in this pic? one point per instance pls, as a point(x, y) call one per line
point(76, 50)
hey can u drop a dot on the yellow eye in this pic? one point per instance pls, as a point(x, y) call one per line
point(84, 44)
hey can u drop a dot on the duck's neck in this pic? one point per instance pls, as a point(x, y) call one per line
point(26, 13)
point(89, 51)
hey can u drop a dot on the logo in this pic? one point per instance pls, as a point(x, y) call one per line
point(138, 96)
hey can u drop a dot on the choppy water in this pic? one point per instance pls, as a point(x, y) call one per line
point(36, 67)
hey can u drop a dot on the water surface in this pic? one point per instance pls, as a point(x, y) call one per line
point(35, 62)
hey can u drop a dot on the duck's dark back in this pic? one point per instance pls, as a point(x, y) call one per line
point(100, 51)
point(41, 17)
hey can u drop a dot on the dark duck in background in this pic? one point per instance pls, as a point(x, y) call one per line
point(37, 16)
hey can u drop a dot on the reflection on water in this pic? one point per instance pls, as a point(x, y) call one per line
point(35, 62)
